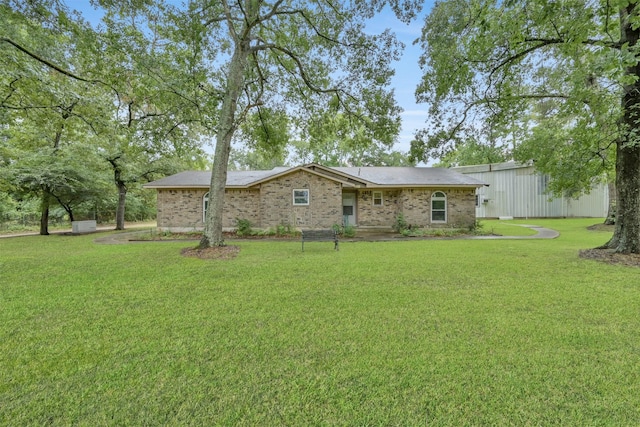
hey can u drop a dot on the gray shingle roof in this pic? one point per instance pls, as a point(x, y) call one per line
point(404, 176)
point(196, 179)
point(375, 176)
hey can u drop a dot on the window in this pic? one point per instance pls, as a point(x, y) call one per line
point(205, 206)
point(438, 207)
point(377, 198)
point(300, 197)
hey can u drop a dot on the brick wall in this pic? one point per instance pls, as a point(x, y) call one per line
point(461, 207)
point(272, 205)
point(369, 215)
point(241, 204)
point(325, 201)
point(180, 210)
point(415, 205)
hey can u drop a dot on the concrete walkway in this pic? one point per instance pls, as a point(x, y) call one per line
point(542, 233)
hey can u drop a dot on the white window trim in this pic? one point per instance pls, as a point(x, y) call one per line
point(306, 190)
point(438, 198)
point(373, 199)
point(205, 206)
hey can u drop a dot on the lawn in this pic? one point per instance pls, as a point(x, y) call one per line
point(419, 332)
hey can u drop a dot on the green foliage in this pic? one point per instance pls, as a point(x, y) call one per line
point(83, 106)
point(333, 138)
point(344, 230)
point(265, 134)
point(477, 226)
point(349, 231)
point(501, 75)
point(49, 119)
point(155, 79)
point(245, 159)
point(286, 230)
point(244, 227)
point(471, 152)
point(400, 224)
point(434, 232)
point(561, 78)
point(8, 207)
point(141, 205)
point(567, 154)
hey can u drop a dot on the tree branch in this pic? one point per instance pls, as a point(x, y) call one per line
point(308, 21)
point(299, 66)
point(490, 101)
point(47, 63)
point(544, 42)
point(229, 19)
point(590, 42)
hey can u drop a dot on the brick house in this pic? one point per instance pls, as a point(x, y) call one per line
point(315, 197)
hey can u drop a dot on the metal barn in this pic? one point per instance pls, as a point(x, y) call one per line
point(519, 191)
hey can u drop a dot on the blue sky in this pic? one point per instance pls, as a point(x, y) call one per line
point(407, 71)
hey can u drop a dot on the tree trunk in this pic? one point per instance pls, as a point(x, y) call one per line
point(626, 237)
point(613, 197)
point(121, 186)
point(122, 198)
point(212, 235)
point(44, 213)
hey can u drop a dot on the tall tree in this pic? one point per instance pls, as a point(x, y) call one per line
point(152, 130)
point(135, 85)
point(291, 55)
point(489, 63)
point(47, 109)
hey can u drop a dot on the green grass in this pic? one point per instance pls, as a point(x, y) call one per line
point(428, 332)
point(509, 228)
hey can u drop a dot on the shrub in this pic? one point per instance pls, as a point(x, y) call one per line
point(244, 227)
point(476, 227)
point(285, 230)
point(349, 231)
point(400, 223)
point(344, 230)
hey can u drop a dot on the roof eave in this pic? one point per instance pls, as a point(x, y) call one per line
point(192, 186)
point(382, 186)
point(174, 187)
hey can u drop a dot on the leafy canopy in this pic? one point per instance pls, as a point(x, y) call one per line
point(542, 79)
